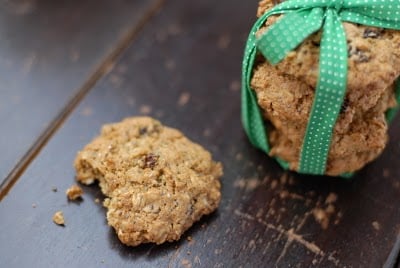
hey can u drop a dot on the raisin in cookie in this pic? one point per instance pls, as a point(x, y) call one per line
point(157, 182)
point(285, 93)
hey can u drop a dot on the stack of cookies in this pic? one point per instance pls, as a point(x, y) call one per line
point(285, 93)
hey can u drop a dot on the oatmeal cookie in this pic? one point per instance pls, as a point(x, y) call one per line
point(157, 182)
point(285, 93)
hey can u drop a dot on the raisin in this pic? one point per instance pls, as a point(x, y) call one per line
point(344, 106)
point(372, 33)
point(315, 43)
point(143, 130)
point(150, 161)
point(360, 56)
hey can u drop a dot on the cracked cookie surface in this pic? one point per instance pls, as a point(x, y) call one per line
point(157, 182)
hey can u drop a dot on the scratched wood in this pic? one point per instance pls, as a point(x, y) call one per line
point(184, 69)
point(47, 50)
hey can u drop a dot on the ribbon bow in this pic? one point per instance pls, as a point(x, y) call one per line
point(301, 19)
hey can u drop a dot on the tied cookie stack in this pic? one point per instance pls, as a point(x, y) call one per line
point(320, 82)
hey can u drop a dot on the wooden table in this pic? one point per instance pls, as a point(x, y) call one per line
point(67, 67)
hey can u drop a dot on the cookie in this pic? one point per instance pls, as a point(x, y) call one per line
point(157, 182)
point(74, 192)
point(285, 93)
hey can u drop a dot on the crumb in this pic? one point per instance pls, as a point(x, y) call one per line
point(183, 99)
point(284, 194)
point(102, 261)
point(238, 156)
point(97, 200)
point(74, 192)
point(203, 226)
point(376, 225)
point(252, 183)
point(188, 253)
point(34, 205)
point(186, 263)
point(283, 178)
point(54, 189)
point(330, 209)
point(58, 218)
point(189, 238)
point(239, 183)
point(274, 183)
point(145, 109)
point(207, 132)
point(217, 251)
point(386, 173)
point(331, 198)
point(321, 217)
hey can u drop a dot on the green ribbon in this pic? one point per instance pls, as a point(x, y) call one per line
point(301, 19)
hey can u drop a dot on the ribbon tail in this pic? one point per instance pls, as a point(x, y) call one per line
point(329, 95)
point(252, 120)
point(288, 32)
point(389, 22)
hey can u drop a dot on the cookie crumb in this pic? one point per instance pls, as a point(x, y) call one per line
point(274, 184)
point(331, 198)
point(321, 217)
point(183, 99)
point(74, 192)
point(34, 205)
point(376, 225)
point(54, 189)
point(97, 200)
point(186, 263)
point(58, 218)
point(189, 238)
point(145, 109)
point(386, 173)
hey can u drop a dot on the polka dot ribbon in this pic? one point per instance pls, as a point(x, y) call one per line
point(300, 19)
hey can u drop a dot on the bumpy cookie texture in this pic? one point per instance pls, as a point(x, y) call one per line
point(158, 182)
point(285, 93)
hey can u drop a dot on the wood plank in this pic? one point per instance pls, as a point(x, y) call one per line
point(47, 50)
point(185, 69)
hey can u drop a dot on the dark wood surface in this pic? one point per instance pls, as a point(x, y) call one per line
point(48, 50)
point(183, 68)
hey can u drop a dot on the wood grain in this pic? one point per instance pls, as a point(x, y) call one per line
point(184, 68)
point(48, 50)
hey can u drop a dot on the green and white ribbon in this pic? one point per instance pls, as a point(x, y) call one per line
point(300, 19)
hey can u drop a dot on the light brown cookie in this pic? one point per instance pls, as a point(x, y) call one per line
point(285, 93)
point(158, 182)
